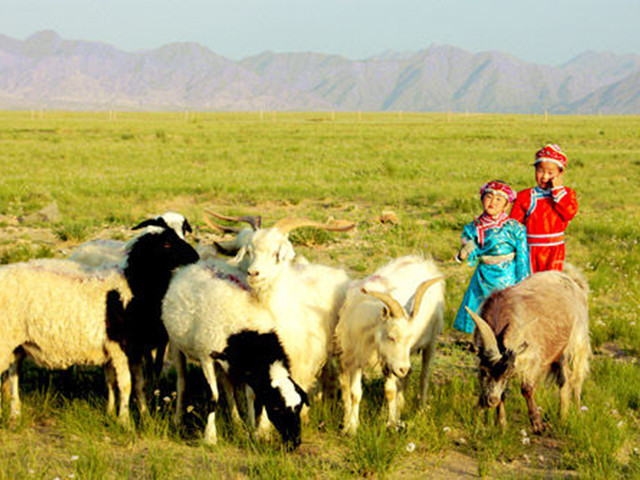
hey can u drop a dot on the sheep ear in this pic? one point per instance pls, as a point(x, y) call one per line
point(303, 394)
point(186, 226)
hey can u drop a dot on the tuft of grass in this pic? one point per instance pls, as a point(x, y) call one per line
point(374, 450)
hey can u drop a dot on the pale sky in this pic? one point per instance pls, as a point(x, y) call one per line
point(540, 31)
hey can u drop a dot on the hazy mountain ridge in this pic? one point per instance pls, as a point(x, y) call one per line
point(46, 71)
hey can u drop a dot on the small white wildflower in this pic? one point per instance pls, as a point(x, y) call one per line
point(190, 409)
point(620, 424)
point(32, 471)
point(74, 458)
point(446, 429)
point(57, 478)
point(461, 441)
point(523, 433)
point(600, 323)
point(526, 441)
point(156, 393)
point(633, 324)
point(157, 408)
point(166, 399)
point(174, 394)
point(636, 451)
point(526, 457)
point(72, 475)
point(614, 412)
point(411, 447)
point(584, 408)
point(541, 458)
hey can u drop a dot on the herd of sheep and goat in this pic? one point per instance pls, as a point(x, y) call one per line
point(270, 321)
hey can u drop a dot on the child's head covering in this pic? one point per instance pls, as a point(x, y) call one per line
point(499, 187)
point(551, 153)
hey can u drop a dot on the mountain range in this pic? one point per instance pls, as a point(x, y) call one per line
point(46, 71)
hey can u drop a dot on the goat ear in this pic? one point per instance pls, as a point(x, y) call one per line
point(285, 252)
point(522, 348)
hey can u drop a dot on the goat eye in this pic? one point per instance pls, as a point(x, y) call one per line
point(392, 339)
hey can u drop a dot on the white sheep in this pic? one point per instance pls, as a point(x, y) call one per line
point(385, 317)
point(60, 316)
point(200, 312)
point(302, 300)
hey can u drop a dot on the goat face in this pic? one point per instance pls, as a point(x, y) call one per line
point(394, 340)
point(493, 376)
point(268, 253)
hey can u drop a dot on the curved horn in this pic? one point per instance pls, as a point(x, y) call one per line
point(487, 336)
point(286, 225)
point(254, 220)
point(394, 307)
point(221, 228)
point(420, 291)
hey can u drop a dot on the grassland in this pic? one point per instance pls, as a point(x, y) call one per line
point(106, 172)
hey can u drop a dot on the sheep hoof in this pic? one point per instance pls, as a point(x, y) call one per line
point(398, 426)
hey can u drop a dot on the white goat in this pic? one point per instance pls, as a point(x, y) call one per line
point(101, 253)
point(61, 316)
point(304, 297)
point(385, 317)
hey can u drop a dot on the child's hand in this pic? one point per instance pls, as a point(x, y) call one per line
point(558, 180)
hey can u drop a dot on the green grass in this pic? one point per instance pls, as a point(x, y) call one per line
point(106, 175)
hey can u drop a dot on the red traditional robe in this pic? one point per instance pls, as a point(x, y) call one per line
point(545, 214)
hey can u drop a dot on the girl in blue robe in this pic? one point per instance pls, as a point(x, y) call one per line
point(495, 243)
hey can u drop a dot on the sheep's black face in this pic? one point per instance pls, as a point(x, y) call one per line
point(154, 256)
point(287, 422)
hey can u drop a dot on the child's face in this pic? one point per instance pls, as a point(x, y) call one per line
point(494, 204)
point(545, 173)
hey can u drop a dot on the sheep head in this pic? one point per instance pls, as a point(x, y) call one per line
point(154, 256)
point(168, 220)
point(395, 335)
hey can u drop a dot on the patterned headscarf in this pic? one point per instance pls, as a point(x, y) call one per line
point(500, 188)
point(551, 153)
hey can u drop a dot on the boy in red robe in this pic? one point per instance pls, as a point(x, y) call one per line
point(546, 210)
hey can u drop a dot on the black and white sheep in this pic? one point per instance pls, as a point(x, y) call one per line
point(258, 360)
point(149, 266)
point(106, 253)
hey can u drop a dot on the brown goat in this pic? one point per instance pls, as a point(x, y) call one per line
point(539, 327)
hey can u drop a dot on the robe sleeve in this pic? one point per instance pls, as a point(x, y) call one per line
point(565, 202)
point(523, 264)
point(468, 238)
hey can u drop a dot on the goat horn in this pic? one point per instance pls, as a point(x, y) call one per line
point(397, 311)
point(487, 336)
point(221, 228)
point(254, 220)
point(420, 291)
point(286, 225)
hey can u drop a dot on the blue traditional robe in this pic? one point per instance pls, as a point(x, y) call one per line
point(494, 271)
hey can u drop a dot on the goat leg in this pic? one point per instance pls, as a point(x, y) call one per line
point(534, 414)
